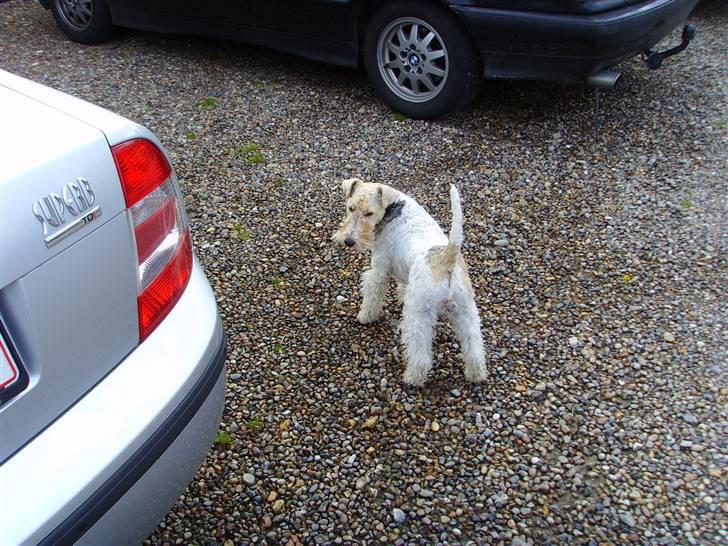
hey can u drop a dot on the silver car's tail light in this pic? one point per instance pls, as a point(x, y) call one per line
point(161, 233)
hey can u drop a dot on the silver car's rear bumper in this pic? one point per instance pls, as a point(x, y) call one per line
point(144, 501)
point(115, 461)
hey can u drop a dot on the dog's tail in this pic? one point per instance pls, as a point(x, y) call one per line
point(455, 240)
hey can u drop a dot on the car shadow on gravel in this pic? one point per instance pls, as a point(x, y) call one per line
point(516, 104)
point(711, 9)
point(521, 101)
point(259, 60)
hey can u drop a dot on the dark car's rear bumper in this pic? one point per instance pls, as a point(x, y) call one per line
point(538, 45)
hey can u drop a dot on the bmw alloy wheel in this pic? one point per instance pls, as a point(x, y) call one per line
point(413, 60)
point(77, 14)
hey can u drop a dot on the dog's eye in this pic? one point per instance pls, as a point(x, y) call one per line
point(351, 209)
point(369, 214)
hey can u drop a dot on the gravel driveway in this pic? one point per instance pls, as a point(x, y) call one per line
point(599, 260)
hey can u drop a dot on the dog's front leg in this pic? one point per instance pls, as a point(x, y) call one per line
point(374, 285)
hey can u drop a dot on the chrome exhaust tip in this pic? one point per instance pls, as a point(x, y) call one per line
point(606, 79)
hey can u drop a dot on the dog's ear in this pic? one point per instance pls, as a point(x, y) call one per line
point(386, 195)
point(349, 186)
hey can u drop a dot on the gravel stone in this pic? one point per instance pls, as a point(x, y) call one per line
point(500, 499)
point(399, 516)
point(597, 254)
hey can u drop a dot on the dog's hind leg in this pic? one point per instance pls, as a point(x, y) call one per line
point(466, 323)
point(417, 327)
point(374, 286)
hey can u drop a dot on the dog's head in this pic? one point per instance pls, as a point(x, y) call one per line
point(366, 205)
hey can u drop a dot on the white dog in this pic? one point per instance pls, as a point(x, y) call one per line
point(432, 276)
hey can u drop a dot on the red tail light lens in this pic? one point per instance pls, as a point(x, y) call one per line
point(163, 243)
point(142, 167)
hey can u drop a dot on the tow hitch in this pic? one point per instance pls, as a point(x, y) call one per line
point(654, 58)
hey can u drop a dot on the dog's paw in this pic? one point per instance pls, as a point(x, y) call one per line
point(476, 374)
point(413, 379)
point(366, 318)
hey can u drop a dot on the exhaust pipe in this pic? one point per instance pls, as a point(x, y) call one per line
point(606, 79)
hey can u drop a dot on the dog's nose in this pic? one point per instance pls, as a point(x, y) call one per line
point(349, 242)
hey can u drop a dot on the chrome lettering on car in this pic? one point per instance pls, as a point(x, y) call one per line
point(76, 199)
point(78, 196)
point(50, 210)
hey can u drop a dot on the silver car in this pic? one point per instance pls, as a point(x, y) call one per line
point(111, 348)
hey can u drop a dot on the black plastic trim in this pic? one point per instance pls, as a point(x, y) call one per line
point(94, 508)
point(326, 50)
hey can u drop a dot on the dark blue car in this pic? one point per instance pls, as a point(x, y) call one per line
point(425, 58)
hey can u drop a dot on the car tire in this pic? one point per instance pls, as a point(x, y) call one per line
point(420, 59)
point(83, 21)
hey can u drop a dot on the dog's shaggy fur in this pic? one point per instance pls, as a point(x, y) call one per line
point(408, 244)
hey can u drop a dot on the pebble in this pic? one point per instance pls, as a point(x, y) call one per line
point(500, 499)
point(248, 478)
point(371, 422)
point(398, 515)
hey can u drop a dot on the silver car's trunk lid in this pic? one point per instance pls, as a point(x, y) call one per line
point(67, 261)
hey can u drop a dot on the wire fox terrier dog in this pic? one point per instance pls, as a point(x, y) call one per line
point(432, 277)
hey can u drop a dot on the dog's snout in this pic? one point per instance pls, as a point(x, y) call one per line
point(349, 241)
